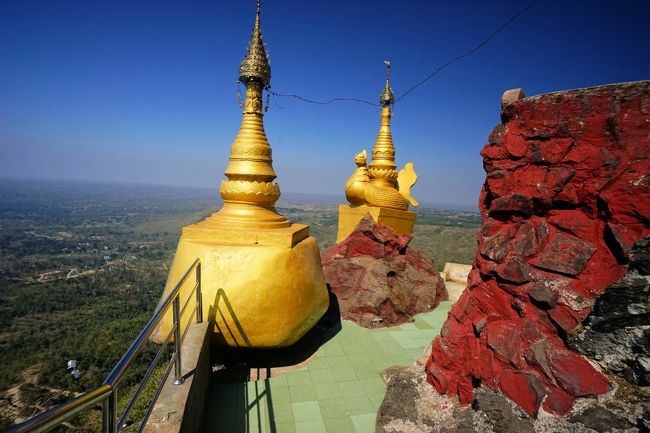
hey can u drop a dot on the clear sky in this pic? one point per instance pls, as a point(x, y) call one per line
point(144, 91)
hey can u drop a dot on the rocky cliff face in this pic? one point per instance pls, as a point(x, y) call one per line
point(616, 334)
point(567, 195)
point(379, 279)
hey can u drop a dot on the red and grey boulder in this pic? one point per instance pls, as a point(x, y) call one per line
point(379, 279)
point(616, 334)
point(565, 203)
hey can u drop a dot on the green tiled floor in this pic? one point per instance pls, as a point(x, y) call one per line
point(338, 392)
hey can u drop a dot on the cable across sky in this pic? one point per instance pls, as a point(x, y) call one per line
point(143, 91)
point(421, 82)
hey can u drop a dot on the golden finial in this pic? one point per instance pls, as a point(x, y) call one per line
point(249, 193)
point(256, 66)
point(384, 188)
point(382, 166)
point(387, 97)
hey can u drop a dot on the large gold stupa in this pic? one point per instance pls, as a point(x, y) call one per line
point(261, 275)
point(378, 189)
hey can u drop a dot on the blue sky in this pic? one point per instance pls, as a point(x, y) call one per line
point(139, 91)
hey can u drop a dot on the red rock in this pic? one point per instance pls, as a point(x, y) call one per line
point(465, 391)
point(536, 356)
point(452, 384)
point(437, 378)
point(601, 271)
point(483, 201)
point(513, 203)
point(565, 254)
point(503, 337)
point(440, 355)
point(485, 366)
point(456, 331)
point(515, 145)
point(585, 155)
point(575, 222)
point(358, 244)
point(558, 402)
point(492, 301)
point(567, 194)
point(532, 331)
point(515, 270)
point(462, 305)
point(378, 279)
point(487, 268)
point(542, 230)
point(495, 136)
point(574, 373)
point(525, 243)
point(491, 227)
point(551, 151)
point(498, 182)
point(495, 246)
point(524, 388)
point(563, 317)
point(543, 294)
point(557, 177)
point(627, 199)
point(479, 323)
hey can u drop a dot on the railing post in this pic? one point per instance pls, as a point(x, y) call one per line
point(178, 374)
point(109, 412)
point(199, 296)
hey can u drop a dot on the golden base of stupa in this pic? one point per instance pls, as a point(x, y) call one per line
point(265, 288)
point(401, 221)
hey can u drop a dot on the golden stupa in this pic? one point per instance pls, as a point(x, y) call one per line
point(378, 189)
point(261, 275)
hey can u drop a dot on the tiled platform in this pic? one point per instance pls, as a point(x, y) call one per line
point(338, 392)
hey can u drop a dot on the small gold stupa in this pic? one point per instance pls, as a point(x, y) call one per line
point(378, 189)
point(261, 275)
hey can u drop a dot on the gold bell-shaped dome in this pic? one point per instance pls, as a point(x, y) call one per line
point(261, 276)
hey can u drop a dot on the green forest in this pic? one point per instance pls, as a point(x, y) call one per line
point(82, 267)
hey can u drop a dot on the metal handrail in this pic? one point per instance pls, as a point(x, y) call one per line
point(107, 392)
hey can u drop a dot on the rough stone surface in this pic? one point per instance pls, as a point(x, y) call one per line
point(601, 419)
point(379, 279)
point(411, 406)
point(567, 195)
point(616, 335)
point(503, 417)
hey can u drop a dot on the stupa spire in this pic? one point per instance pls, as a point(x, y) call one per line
point(261, 276)
point(382, 166)
point(380, 189)
point(250, 193)
point(387, 98)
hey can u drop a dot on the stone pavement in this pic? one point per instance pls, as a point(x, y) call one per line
point(339, 391)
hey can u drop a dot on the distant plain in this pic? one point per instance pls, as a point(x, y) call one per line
point(82, 266)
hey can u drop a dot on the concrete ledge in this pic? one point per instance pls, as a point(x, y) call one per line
point(455, 276)
point(285, 236)
point(181, 408)
point(456, 272)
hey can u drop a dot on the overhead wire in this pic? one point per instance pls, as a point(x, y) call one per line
point(468, 53)
point(424, 80)
point(329, 101)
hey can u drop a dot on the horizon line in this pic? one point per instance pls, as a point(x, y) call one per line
point(334, 197)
